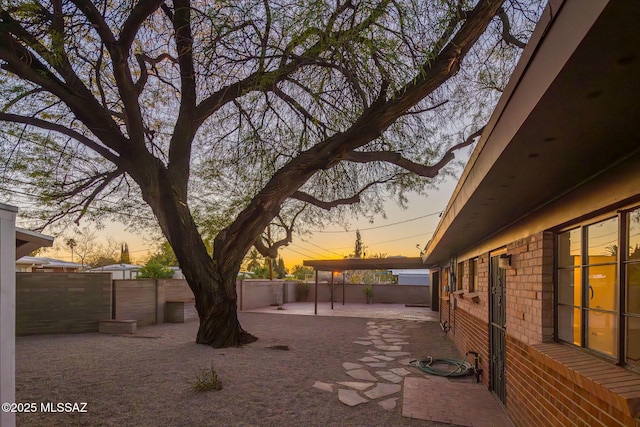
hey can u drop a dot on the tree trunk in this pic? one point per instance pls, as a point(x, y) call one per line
point(212, 281)
point(219, 325)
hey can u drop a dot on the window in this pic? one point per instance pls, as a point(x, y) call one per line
point(598, 285)
point(473, 275)
point(459, 277)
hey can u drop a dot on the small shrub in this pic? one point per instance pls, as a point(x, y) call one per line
point(368, 293)
point(155, 270)
point(207, 380)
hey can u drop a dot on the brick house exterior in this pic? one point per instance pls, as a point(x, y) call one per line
point(528, 256)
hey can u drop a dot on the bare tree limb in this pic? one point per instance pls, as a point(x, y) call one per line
point(506, 30)
point(429, 171)
point(308, 198)
point(43, 124)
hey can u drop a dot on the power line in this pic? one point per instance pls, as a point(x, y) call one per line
point(379, 226)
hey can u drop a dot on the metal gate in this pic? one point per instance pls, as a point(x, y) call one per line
point(497, 329)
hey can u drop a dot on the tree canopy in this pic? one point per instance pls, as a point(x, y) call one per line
point(215, 120)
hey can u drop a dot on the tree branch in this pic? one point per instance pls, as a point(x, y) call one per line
point(429, 171)
point(141, 11)
point(308, 198)
point(506, 30)
point(43, 124)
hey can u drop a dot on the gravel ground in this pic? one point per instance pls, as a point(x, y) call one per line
point(147, 379)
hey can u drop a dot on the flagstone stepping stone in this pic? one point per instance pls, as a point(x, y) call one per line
point(361, 374)
point(364, 338)
point(400, 371)
point(395, 336)
point(371, 323)
point(388, 404)
point(401, 343)
point(378, 342)
point(374, 332)
point(350, 397)
point(406, 361)
point(397, 353)
point(389, 376)
point(382, 390)
point(349, 366)
point(389, 347)
point(378, 364)
point(356, 385)
point(323, 386)
point(385, 358)
point(372, 352)
point(393, 340)
point(368, 359)
point(385, 326)
point(363, 342)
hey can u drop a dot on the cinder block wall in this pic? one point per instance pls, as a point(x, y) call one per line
point(135, 300)
point(176, 289)
point(58, 303)
point(386, 294)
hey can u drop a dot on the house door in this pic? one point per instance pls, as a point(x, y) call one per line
point(497, 328)
point(435, 291)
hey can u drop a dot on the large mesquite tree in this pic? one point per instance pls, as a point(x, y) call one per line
point(234, 117)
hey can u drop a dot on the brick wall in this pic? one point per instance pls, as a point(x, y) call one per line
point(57, 303)
point(530, 289)
point(542, 391)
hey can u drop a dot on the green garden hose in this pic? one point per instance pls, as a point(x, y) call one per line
point(462, 367)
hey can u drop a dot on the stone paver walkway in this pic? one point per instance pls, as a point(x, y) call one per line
point(385, 376)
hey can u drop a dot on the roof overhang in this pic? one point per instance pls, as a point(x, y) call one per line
point(28, 241)
point(365, 264)
point(569, 112)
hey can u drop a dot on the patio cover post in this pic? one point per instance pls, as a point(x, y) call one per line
point(315, 296)
point(332, 290)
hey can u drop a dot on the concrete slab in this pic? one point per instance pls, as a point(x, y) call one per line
point(420, 402)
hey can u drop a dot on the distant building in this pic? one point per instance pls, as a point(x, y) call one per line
point(119, 271)
point(411, 277)
point(30, 264)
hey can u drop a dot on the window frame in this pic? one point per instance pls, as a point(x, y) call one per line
point(621, 309)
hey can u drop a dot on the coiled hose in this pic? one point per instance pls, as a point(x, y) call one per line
point(462, 367)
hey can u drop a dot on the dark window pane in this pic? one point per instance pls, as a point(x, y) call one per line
point(569, 324)
point(569, 244)
point(569, 289)
point(633, 341)
point(602, 241)
point(633, 288)
point(602, 287)
point(602, 334)
point(633, 219)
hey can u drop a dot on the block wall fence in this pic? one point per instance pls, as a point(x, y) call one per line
point(53, 303)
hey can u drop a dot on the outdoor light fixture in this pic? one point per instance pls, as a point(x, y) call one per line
point(504, 262)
